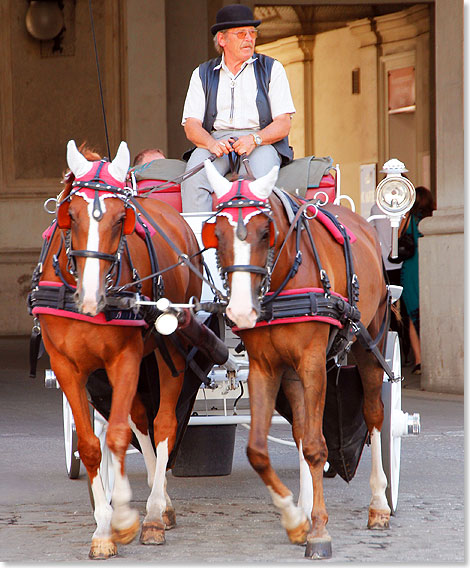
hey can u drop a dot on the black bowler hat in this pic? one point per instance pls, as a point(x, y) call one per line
point(234, 16)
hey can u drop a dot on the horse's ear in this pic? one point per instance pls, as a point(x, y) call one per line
point(263, 186)
point(129, 221)
point(119, 166)
point(76, 161)
point(219, 184)
point(209, 239)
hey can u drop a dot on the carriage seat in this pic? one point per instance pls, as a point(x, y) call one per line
point(307, 177)
point(158, 172)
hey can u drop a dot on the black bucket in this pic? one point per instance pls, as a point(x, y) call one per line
point(206, 451)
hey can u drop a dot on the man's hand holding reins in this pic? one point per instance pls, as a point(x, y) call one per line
point(275, 131)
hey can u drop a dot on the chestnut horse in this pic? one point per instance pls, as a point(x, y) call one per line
point(95, 243)
point(249, 234)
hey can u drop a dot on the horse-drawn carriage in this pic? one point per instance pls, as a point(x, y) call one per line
point(133, 315)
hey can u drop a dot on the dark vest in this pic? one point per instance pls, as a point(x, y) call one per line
point(210, 83)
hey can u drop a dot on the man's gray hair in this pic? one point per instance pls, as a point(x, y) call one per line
point(218, 48)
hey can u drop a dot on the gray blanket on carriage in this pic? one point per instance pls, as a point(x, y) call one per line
point(164, 169)
point(296, 177)
point(303, 173)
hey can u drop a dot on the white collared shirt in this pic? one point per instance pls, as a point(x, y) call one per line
point(236, 97)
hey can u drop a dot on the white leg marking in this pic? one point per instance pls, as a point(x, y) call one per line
point(103, 510)
point(123, 515)
point(306, 484)
point(378, 479)
point(148, 452)
point(157, 501)
point(91, 272)
point(240, 308)
point(291, 516)
point(169, 504)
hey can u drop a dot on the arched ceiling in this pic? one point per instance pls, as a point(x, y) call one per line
point(284, 21)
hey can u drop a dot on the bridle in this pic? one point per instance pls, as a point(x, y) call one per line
point(240, 202)
point(64, 220)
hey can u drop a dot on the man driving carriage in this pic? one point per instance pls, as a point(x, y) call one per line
point(240, 102)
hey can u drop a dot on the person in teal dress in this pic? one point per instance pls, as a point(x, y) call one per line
point(423, 207)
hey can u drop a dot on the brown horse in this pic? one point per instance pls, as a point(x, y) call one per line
point(95, 243)
point(249, 233)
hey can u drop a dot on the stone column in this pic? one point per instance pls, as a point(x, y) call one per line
point(441, 250)
point(145, 76)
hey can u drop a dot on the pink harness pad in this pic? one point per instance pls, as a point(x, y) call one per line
point(139, 229)
point(48, 232)
point(99, 172)
point(328, 223)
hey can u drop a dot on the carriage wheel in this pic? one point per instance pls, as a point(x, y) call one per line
point(100, 426)
point(72, 462)
point(391, 437)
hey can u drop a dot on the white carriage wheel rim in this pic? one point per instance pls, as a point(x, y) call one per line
point(395, 445)
point(69, 429)
point(391, 445)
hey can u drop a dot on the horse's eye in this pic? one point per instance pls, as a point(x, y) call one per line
point(264, 234)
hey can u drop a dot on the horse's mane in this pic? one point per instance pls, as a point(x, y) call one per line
point(68, 176)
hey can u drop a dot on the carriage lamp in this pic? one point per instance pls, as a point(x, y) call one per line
point(395, 196)
point(166, 323)
point(44, 19)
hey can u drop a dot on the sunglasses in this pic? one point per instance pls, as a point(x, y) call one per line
point(243, 33)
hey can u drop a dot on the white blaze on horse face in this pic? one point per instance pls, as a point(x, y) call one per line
point(240, 308)
point(90, 284)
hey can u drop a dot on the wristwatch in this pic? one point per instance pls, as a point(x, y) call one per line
point(257, 138)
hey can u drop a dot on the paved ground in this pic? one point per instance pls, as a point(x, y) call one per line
point(45, 517)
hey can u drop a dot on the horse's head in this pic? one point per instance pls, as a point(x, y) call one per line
point(96, 222)
point(243, 234)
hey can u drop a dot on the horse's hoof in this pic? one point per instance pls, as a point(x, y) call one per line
point(318, 548)
point(169, 518)
point(102, 548)
point(126, 535)
point(298, 535)
point(152, 533)
point(378, 519)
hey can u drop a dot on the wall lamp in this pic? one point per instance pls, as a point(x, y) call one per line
point(44, 19)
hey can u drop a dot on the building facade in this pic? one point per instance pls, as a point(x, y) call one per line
point(347, 63)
